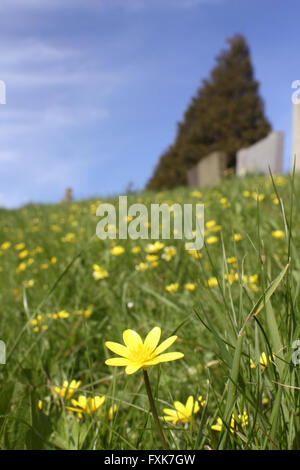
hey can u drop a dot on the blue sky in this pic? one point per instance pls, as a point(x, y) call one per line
point(95, 88)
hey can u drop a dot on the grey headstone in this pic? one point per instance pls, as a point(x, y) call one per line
point(209, 171)
point(265, 153)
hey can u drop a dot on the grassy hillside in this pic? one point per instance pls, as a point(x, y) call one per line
point(234, 306)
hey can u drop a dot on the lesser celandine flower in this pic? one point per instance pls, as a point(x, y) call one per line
point(69, 238)
point(237, 237)
point(117, 250)
point(136, 249)
point(85, 405)
point(263, 361)
point(86, 313)
point(99, 273)
point(244, 421)
point(169, 253)
point(195, 254)
point(67, 390)
point(211, 240)
point(278, 234)
point(20, 246)
point(137, 354)
point(210, 224)
point(5, 245)
point(172, 287)
point(154, 247)
point(112, 411)
point(190, 286)
point(183, 413)
point(196, 194)
point(212, 282)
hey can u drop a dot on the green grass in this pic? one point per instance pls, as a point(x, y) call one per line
point(220, 328)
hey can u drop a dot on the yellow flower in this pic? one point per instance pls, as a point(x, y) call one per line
point(195, 254)
point(154, 247)
point(111, 412)
point(246, 193)
point(263, 361)
point(117, 250)
point(231, 260)
point(67, 390)
point(142, 267)
point(190, 286)
point(21, 267)
point(151, 258)
point(169, 253)
point(253, 279)
point(210, 224)
point(136, 249)
point(172, 287)
point(68, 238)
point(196, 194)
point(53, 260)
point(29, 283)
point(20, 246)
point(5, 245)
point(85, 405)
point(212, 282)
point(258, 197)
point(244, 421)
point(237, 237)
point(278, 234)
point(86, 313)
point(63, 314)
point(137, 354)
point(183, 413)
point(99, 273)
point(211, 240)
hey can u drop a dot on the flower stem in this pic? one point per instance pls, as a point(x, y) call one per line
point(154, 411)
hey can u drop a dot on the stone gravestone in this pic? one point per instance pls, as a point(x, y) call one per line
point(265, 153)
point(68, 196)
point(210, 170)
point(296, 136)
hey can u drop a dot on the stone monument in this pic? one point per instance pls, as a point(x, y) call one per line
point(265, 153)
point(210, 170)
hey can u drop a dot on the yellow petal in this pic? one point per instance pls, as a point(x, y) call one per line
point(152, 338)
point(165, 344)
point(98, 401)
point(169, 357)
point(169, 411)
point(132, 368)
point(189, 406)
point(116, 361)
point(173, 419)
point(132, 339)
point(117, 348)
point(180, 407)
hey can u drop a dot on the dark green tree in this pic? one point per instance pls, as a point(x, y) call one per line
point(226, 114)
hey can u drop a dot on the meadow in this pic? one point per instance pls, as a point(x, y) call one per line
point(233, 305)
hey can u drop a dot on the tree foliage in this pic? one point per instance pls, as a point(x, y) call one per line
point(226, 114)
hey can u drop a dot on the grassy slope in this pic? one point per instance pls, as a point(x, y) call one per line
point(210, 322)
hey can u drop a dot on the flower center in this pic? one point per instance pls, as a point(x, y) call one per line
point(141, 354)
